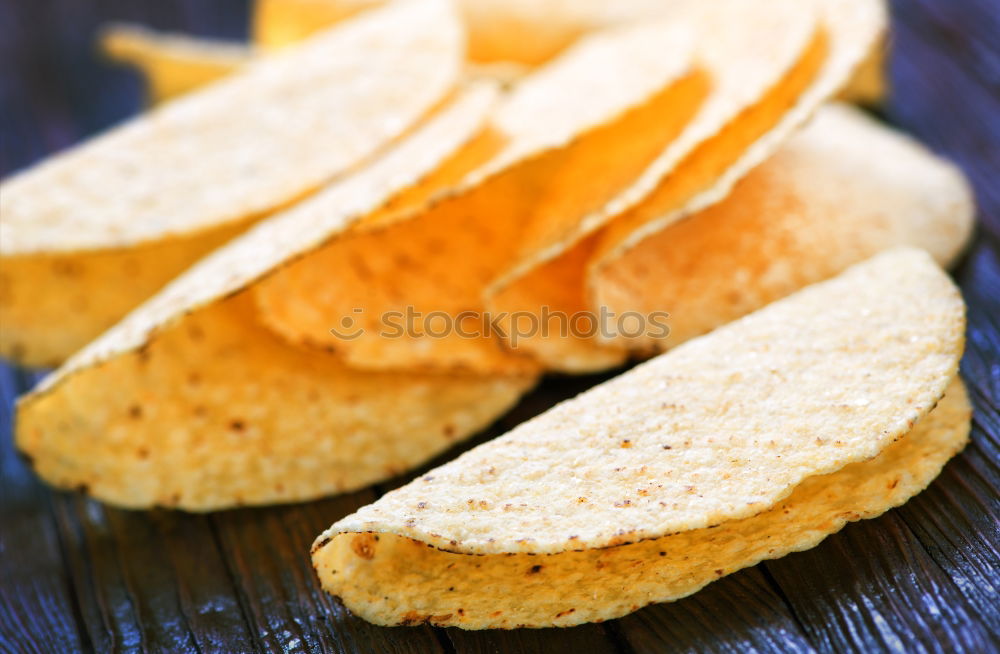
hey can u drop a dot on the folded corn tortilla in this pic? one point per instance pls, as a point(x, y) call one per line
point(132, 208)
point(172, 64)
point(496, 33)
point(756, 440)
point(190, 402)
point(725, 140)
point(443, 262)
point(841, 190)
point(570, 134)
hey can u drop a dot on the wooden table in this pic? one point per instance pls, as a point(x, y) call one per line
point(79, 576)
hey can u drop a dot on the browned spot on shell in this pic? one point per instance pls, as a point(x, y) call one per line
point(364, 546)
point(66, 268)
point(412, 618)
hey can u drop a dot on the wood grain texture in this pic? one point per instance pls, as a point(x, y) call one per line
point(874, 588)
point(264, 552)
point(76, 576)
point(739, 613)
point(35, 594)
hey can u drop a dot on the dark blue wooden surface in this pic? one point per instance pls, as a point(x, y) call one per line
point(79, 576)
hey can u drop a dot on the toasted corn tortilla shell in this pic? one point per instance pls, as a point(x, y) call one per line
point(52, 305)
point(575, 131)
point(757, 61)
point(230, 151)
point(719, 146)
point(297, 232)
point(151, 197)
point(523, 31)
point(558, 285)
point(153, 412)
point(279, 23)
point(502, 34)
point(528, 32)
point(841, 190)
point(869, 85)
point(852, 27)
point(753, 72)
point(216, 411)
point(173, 64)
point(570, 341)
point(720, 428)
point(391, 580)
point(599, 80)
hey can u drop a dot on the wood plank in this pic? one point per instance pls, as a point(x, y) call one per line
point(874, 588)
point(980, 280)
point(956, 522)
point(585, 639)
point(36, 603)
point(92, 561)
point(967, 30)
point(738, 613)
point(957, 519)
point(267, 554)
point(206, 594)
point(152, 580)
point(139, 562)
point(936, 98)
